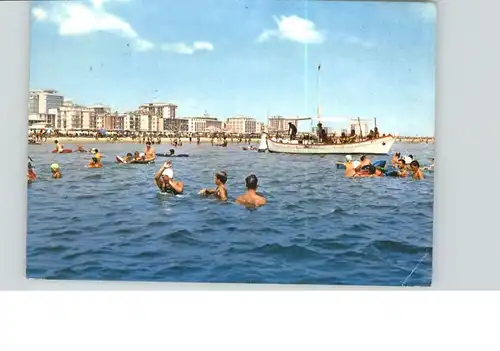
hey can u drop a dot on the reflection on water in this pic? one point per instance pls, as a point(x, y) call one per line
point(317, 228)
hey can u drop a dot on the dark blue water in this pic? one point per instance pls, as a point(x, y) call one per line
point(317, 228)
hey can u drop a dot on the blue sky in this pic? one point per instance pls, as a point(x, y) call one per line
point(231, 57)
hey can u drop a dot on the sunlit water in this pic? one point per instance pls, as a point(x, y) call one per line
point(317, 228)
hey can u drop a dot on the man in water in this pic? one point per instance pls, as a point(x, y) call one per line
point(364, 162)
point(172, 152)
point(370, 171)
point(403, 173)
point(56, 171)
point(350, 167)
point(149, 152)
point(417, 172)
point(164, 180)
point(292, 129)
point(80, 148)
point(220, 191)
point(198, 140)
point(95, 163)
point(59, 147)
point(251, 198)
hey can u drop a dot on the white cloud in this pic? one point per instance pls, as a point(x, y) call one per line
point(39, 14)
point(74, 19)
point(293, 28)
point(185, 49)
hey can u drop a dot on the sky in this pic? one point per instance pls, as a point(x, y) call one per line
point(253, 58)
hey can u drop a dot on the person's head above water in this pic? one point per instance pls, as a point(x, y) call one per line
point(414, 164)
point(168, 173)
point(348, 158)
point(172, 151)
point(129, 154)
point(148, 144)
point(54, 167)
point(362, 158)
point(55, 141)
point(251, 182)
point(221, 177)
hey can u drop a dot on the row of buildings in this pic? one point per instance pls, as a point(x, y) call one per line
point(48, 108)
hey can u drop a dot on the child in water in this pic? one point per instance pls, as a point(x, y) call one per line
point(56, 171)
point(95, 163)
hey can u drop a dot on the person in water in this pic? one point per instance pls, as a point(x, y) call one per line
point(172, 152)
point(31, 173)
point(96, 154)
point(95, 163)
point(149, 152)
point(80, 148)
point(59, 147)
point(220, 191)
point(56, 171)
point(128, 158)
point(364, 162)
point(164, 180)
point(395, 159)
point(370, 171)
point(403, 173)
point(251, 198)
point(292, 129)
point(350, 167)
point(417, 172)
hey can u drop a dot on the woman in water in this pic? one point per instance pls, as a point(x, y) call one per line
point(220, 191)
point(56, 171)
point(164, 180)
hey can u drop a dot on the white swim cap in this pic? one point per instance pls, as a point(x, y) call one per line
point(408, 159)
point(169, 172)
point(348, 158)
point(54, 166)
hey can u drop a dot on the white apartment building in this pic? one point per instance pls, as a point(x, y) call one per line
point(150, 123)
point(99, 112)
point(71, 117)
point(241, 125)
point(160, 109)
point(40, 101)
point(203, 124)
point(131, 122)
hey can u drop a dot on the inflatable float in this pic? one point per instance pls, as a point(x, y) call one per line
point(172, 155)
point(249, 148)
point(65, 151)
point(140, 162)
point(379, 164)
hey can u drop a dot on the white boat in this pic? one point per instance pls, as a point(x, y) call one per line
point(380, 146)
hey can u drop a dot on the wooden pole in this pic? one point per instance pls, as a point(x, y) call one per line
point(360, 130)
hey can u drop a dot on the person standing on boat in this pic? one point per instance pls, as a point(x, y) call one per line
point(251, 198)
point(319, 132)
point(292, 130)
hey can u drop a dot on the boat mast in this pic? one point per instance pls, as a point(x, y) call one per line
point(318, 109)
point(360, 130)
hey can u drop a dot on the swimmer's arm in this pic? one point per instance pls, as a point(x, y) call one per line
point(178, 186)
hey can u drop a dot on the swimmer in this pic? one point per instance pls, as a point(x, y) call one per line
point(80, 148)
point(95, 163)
point(56, 171)
point(172, 152)
point(395, 159)
point(128, 158)
point(137, 156)
point(417, 172)
point(31, 173)
point(164, 180)
point(59, 147)
point(371, 172)
point(402, 168)
point(220, 191)
point(349, 167)
point(97, 154)
point(251, 198)
point(149, 152)
point(364, 162)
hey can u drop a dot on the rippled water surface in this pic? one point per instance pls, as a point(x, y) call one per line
point(317, 228)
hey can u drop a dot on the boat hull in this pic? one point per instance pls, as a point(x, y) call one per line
point(381, 146)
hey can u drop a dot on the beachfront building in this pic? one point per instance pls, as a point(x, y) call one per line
point(279, 124)
point(40, 102)
point(159, 109)
point(98, 115)
point(176, 124)
point(151, 123)
point(204, 124)
point(70, 116)
point(241, 125)
point(131, 122)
